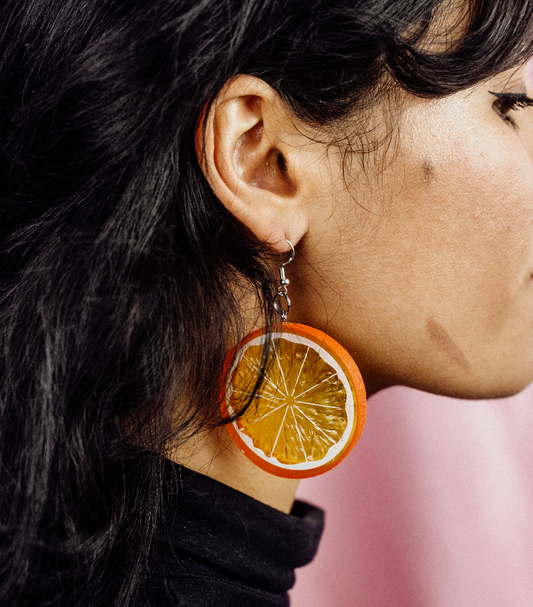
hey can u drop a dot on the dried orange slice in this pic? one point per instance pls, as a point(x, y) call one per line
point(310, 409)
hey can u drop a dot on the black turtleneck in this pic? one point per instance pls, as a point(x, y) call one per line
point(218, 547)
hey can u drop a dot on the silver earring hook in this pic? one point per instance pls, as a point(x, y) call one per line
point(293, 253)
point(281, 293)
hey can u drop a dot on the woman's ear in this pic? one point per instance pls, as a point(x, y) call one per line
point(250, 152)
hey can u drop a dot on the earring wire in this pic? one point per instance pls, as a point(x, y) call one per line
point(281, 293)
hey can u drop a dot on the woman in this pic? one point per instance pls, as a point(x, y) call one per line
point(159, 161)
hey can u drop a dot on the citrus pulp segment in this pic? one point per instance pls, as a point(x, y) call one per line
point(310, 408)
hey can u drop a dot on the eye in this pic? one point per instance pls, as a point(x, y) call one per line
point(507, 102)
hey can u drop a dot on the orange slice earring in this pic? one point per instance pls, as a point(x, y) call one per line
point(310, 408)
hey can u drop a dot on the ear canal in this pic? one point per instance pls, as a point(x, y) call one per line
point(270, 172)
point(277, 170)
point(282, 163)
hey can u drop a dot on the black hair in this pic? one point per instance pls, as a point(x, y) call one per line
point(119, 265)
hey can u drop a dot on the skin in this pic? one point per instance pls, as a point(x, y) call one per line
point(427, 269)
point(420, 262)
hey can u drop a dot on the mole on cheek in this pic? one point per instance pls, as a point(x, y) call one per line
point(428, 169)
point(440, 337)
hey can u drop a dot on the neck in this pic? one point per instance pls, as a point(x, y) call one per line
point(214, 454)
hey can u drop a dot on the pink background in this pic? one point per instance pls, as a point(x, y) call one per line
point(434, 507)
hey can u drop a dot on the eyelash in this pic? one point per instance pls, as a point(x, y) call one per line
point(506, 102)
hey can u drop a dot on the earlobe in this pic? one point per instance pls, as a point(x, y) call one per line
point(246, 150)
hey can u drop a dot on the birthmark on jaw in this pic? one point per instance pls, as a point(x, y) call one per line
point(440, 337)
